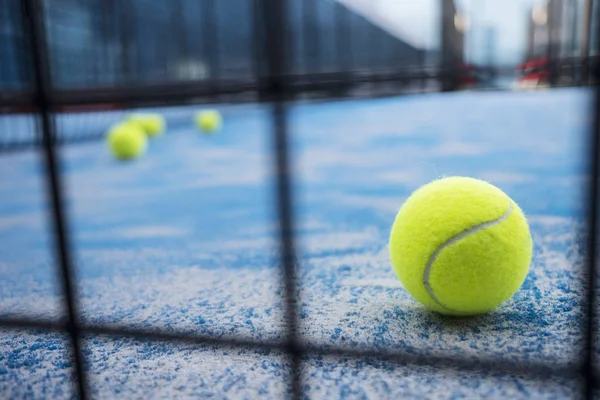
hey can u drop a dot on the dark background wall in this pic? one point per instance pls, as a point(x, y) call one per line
point(108, 42)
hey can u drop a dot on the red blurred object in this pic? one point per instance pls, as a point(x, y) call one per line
point(469, 80)
point(540, 62)
point(534, 72)
point(469, 75)
point(468, 67)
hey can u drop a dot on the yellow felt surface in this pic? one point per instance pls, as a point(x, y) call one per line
point(127, 141)
point(209, 120)
point(152, 124)
point(475, 274)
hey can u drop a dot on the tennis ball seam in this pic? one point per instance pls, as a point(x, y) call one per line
point(451, 241)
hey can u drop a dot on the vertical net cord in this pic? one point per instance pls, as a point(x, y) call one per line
point(34, 23)
point(590, 310)
point(287, 244)
point(274, 17)
point(589, 323)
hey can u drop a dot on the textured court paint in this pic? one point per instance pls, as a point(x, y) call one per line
point(451, 241)
point(182, 239)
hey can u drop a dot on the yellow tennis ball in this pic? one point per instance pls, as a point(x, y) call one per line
point(209, 120)
point(152, 124)
point(126, 141)
point(460, 246)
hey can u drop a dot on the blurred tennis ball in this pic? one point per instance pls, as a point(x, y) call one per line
point(152, 124)
point(209, 120)
point(126, 141)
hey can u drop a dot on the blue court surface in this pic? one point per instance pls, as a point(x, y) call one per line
point(185, 239)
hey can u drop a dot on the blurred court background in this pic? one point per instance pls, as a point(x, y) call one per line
point(179, 259)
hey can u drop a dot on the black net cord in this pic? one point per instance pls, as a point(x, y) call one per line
point(589, 320)
point(34, 23)
point(541, 370)
point(274, 16)
point(591, 250)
